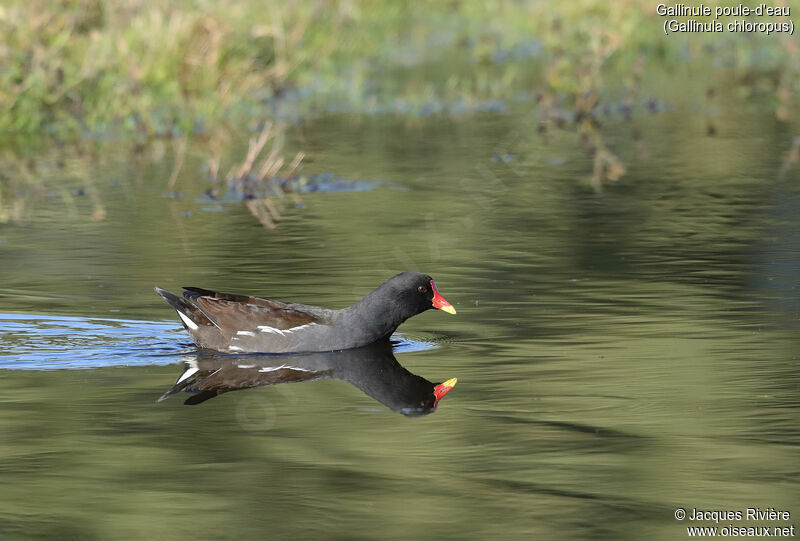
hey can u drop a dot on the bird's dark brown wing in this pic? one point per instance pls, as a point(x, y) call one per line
point(193, 293)
point(241, 312)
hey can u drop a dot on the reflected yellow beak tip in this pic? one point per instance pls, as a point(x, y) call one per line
point(450, 382)
point(449, 309)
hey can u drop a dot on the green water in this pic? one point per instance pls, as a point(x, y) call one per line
point(619, 354)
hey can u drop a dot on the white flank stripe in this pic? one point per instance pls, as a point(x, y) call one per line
point(267, 328)
point(293, 329)
point(246, 333)
point(189, 323)
point(235, 348)
point(274, 368)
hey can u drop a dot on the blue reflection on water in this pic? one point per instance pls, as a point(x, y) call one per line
point(44, 342)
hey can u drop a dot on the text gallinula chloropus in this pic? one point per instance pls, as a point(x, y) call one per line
point(243, 324)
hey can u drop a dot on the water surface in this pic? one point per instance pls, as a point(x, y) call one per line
point(619, 354)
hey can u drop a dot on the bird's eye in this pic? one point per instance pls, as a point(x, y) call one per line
point(422, 289)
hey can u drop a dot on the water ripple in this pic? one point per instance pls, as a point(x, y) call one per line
point(43, 342)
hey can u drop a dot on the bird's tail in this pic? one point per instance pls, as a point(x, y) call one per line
point(191, 315)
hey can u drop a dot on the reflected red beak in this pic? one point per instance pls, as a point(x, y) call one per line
point(440, 302)
point(442, 389)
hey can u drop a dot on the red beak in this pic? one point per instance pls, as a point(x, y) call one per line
point(442, 389)
point(440, 302)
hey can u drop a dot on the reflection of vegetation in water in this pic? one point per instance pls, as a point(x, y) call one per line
point(262, 185)
point(263, 180)
point(24, 182)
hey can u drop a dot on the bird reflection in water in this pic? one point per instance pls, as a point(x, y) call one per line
point(373, 369)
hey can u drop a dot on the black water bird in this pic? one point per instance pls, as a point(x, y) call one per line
point(245, 324)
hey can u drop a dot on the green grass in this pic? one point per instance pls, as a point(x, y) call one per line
point(156, 68)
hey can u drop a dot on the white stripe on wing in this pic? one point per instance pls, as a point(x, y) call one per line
point(267, 328)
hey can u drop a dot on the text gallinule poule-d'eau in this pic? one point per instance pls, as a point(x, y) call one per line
point(244, 324)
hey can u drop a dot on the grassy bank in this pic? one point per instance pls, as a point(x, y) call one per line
point(159, 68)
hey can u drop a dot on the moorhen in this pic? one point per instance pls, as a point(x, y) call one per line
point(243, 324)
point(373, 369)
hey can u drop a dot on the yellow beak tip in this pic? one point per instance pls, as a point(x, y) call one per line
point(449, 309)
point(450, 382)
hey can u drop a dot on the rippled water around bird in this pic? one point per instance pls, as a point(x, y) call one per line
point(619, 354)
